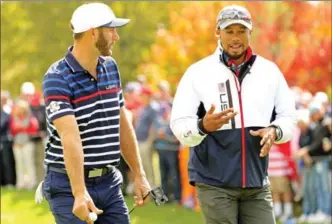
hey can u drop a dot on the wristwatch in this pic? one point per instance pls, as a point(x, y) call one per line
point(278, 132)
point(200, 127)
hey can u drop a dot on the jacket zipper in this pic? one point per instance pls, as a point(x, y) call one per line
point(244, 178)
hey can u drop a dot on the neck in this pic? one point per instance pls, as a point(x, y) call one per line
point(86, 57)
point(237, 61)
point(240, 60)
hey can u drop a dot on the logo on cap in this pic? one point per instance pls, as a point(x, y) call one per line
point(234, 14)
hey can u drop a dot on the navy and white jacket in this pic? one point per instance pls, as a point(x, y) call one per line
point(229, 157)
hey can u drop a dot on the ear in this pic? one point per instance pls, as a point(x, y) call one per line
point(249, 34)
point(217, 33)
point(94, 34)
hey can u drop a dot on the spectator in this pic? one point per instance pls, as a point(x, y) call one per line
point(23, 126)
point(305, 99)
point(38, 111)
point(322, 98)
point(7, 159)
point(280, 170)
point(164, 94)
point(27, 91)
point(327, 146)
point(133, 99)
point(7, 101)
point(145, 136)
point(142, 80)
point(164, 90)
point(319, 159)
point(305, 165)
point(297, 91)
point(167, 147)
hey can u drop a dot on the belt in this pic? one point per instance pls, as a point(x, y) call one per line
point(87, 173)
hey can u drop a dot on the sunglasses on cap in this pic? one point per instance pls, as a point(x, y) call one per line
point(231, 14)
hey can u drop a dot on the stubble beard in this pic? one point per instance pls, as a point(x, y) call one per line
point(103, 46)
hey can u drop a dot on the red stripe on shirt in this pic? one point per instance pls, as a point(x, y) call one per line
point(95, 94)
point(57, 98)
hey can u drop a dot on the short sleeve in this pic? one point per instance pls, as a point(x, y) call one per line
point(57, 95)
point(121, 101)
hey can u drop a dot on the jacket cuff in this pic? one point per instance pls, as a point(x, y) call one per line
point(201, 129)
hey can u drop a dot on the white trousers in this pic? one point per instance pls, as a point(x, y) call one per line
point(25, 165)
point(145, 149)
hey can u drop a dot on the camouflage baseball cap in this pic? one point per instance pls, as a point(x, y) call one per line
point(234, 14)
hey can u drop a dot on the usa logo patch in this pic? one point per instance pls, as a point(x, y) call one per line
point(54, 106)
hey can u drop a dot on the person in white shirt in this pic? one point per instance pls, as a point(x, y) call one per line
point(230, 107)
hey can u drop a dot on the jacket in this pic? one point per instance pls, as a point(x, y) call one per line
point(229, 157)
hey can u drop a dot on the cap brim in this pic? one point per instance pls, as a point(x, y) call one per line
point(236, 21)
point(117, 22)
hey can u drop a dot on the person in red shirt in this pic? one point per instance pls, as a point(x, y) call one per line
point(24, 126)
point(282, 171)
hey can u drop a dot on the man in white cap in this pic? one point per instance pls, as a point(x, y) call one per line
point(230, 107)
point(87, 124)
point(27, 91)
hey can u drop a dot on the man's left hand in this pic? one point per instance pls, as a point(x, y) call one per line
point(301, 153)
point(142, 188)
point(268, 136)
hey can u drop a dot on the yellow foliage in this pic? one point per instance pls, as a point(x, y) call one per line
point(285, 32)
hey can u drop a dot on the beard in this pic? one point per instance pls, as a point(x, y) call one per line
point(234, 57)
point(103, 46)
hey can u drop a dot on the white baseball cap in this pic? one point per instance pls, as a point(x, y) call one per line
point(321, 97)
point(93, 15)
point(234, 14)
point(28, 88)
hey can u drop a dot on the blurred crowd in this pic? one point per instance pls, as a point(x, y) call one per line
point(23, 137)
point(299, 170)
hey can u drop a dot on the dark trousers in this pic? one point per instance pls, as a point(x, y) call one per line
point(8, 164)
point(124, 169)
point(105, 191)
point(235, 205)
point(170, 173)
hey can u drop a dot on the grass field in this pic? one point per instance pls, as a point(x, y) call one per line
point(18, 207)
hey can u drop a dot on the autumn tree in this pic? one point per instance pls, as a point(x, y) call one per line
point(36, 34)
point(295, 35)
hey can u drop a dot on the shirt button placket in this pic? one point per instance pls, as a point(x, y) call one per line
point(99, 81)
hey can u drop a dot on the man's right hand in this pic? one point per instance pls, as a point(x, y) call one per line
point(83, 205)
point(213, 122)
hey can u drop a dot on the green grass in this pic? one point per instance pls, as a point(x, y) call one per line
point(18, 207)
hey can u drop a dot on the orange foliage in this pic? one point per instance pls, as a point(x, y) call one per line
point(295, 35)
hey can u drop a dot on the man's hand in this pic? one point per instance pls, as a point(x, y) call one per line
point(268, 136)
point(161, 133)
point(301, 153)
point(213, 122)
point(327, 144)
point(83, 205)
point(307, 160)
point(141, 189)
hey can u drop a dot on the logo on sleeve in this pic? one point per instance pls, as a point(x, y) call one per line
point(188, 134)
point(54, 106)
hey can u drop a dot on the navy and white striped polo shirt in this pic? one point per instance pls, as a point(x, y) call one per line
point(70, 89)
